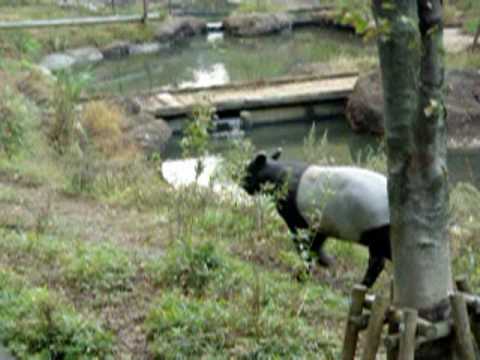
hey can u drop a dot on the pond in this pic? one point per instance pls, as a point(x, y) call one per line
point(216, 59)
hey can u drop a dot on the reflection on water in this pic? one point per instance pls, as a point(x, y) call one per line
point(343, 146)
point(216, 74)
point(240, 59)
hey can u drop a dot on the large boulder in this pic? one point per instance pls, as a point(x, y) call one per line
point(57, 61)
point(176, 28)
point(85, 55)
point(151, 136)
point(116, 50)
point(257, 24)
point(81, 56)
point(462, 98)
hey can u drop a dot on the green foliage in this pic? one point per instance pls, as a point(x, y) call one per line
point(315, 150)
point(180, 327)
point(14, 113)
point(258, 6)
point(355, 13)
point(275, 325)
point(190, 267)
point(195, 139)
point(92, 267)
point(98, 267)
point(20, 43)
point(63, 132)
point(34, 324)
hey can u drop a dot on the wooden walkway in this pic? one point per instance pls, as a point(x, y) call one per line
point(248, 96)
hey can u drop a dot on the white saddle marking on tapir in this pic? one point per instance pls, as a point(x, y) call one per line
point(343, 201)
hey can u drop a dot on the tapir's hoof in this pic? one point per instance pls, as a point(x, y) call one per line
point(324, 260)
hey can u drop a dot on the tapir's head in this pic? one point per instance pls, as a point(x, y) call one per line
point(260, 170)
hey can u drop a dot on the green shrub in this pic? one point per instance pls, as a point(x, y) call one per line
point(14, 117)
point(182, 327)
point(35, 324)
point(98, 267)
point(64, 130)
point(191, 267)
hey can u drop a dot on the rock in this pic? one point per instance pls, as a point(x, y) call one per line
point(85, 55)
point(257, 24)
point(116, 50)
point(177, 28)
point(145, 48)
point(5, 354)
point(80, 56)
point(149, 133)
point(57, 61)
point(324, 17)
point(462, 98)
point(455, 41)
point(365, 105)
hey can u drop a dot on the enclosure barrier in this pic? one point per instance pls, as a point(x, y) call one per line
point(407, 331)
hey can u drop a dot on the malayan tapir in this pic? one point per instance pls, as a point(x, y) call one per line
point(345, 202)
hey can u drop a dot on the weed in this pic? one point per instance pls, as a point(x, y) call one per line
point(191, 267)
point(14, 112)
point(258, 6)
point(103, 123)
point(64, 130)
point(34, 323)
point(101, 267)
point(196, 136)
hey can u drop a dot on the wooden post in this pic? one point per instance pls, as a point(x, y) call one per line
point(351, 331)
point(461, 324)
point(113, 6)
point(477, 36)
point(407, 336)
point(393, 326)
point(375, 326)
point(145, 11)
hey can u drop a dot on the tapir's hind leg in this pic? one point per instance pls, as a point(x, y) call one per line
point(317, 248)
point(378, 243)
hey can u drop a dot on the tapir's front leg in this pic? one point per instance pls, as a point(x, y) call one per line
point(378, 243)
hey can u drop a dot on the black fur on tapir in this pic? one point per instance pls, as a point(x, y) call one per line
point(348, 203)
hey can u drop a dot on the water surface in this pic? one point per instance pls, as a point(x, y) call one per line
point(343, 146)
point(216, 59)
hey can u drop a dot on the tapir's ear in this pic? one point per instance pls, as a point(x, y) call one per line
point(260, 160)
point(276, 154)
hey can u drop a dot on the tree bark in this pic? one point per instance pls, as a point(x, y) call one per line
point(411, 57)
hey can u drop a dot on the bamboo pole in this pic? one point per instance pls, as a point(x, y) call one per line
point(375, 326)
point(477, 36)
point(442, 330)
point(351, 331)
point(407, 336)
point(96, 20)
point(461, 324)
point(393, 326)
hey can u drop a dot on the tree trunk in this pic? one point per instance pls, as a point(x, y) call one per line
point(411, 57)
